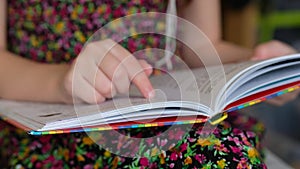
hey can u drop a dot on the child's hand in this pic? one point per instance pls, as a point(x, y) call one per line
point(281, 100)
point(271, 49)
point(103, 69)
point(274, 49)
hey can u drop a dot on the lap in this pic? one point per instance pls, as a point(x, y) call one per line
point(233, 143)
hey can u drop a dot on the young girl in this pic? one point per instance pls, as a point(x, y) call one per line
point(39, 32)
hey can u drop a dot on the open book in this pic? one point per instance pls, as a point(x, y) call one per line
point(182, 97)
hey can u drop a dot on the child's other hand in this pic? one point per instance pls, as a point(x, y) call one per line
point(281, 100)
point(271, 49)
point(274, 49)
point(103, 69)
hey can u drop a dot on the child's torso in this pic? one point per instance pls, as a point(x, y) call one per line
point(55, 31)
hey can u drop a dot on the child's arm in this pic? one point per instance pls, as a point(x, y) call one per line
point(22, 79)
point(206, 16)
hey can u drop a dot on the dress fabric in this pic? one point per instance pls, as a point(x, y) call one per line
point(55, 31)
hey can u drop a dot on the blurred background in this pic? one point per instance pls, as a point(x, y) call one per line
point(249, 22)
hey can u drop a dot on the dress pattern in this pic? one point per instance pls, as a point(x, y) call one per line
point(55, 31)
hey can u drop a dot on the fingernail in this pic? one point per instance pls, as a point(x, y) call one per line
point(150, 92)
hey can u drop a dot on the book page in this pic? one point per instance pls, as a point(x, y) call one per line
point(35, 115)
point(200, 85)
point(273, 79)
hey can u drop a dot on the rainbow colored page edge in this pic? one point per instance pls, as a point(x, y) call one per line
point(259, 100)
point(32, 132)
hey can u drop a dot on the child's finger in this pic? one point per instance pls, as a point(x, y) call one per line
point(88, 68)
point(86, 92)
point(134, 69)
point(103, 85)
point(116, 72)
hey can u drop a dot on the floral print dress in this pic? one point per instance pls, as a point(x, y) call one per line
point(55, 31)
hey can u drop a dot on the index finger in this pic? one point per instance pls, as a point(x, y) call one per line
point(135, 71)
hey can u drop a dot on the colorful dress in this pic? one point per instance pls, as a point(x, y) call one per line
point(55, 31)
